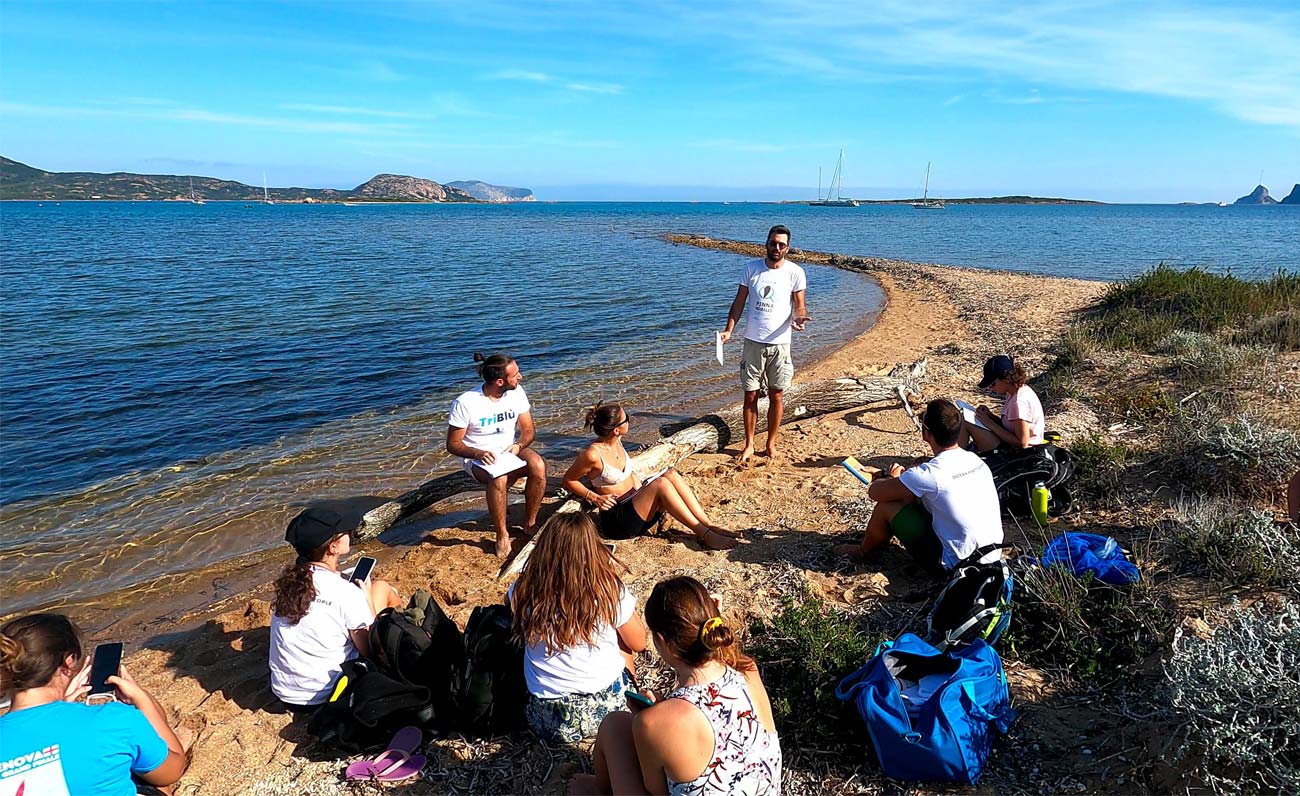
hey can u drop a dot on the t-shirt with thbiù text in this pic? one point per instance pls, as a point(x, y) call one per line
point(489, 425)
point(956, 487)
point(769, 308)
point(307, 657)
point(73, 749)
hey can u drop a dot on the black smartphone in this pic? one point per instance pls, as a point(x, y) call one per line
point(365, 565)
point(105, 664)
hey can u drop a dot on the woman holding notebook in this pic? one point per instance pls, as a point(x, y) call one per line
point(629, 505)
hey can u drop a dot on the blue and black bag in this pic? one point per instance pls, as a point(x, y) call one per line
point(976, 602)
point(931, 715)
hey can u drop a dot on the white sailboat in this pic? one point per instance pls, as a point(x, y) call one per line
point(266, 198)
point(194, 197)
point(926, 202)
point(837, 180)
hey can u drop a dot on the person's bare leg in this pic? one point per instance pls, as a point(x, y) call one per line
point(534, 489)
point(693, 503)
point(775, 410)
point(382, 595)
point(665, 498)
point(985, 440)
point(614, 757)
point(496, 500)
point(750, 414)
point(877, 532)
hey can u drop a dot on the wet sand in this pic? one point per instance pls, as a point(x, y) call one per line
point(208, 667)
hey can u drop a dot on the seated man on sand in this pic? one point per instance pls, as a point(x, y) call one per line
point(483, 425)
point(942, 510)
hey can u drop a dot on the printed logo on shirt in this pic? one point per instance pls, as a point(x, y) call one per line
point(500, 417)
point(39, 772)
point(766, 292)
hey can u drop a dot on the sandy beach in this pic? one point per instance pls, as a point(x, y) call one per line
point(210, 669)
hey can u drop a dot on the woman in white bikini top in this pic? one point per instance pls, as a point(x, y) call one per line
point(629, 506)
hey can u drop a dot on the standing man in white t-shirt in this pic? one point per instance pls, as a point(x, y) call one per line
point(777, 286)
point(495, 421)
point(942, 510)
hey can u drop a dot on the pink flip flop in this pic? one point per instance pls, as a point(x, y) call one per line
point(396, 763)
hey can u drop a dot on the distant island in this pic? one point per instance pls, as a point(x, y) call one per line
point(1260, 196)
point(973, 200)
point(18, 181)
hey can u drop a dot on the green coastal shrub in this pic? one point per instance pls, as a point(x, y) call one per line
point(1138, 313)
point(804, 651)
point(1237, 544)
point(1280, 330)
point(1237, 453)
point(1202, 358)
point(1099, 467)
point(1085, 629)
point(1235, 700)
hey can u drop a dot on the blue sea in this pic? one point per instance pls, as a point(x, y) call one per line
point(178, 378)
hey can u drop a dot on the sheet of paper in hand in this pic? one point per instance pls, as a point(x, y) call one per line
point(505, 462)
point(968, 412)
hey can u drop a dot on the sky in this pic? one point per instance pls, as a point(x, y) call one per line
point(1126, 102)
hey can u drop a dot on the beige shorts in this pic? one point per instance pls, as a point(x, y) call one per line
point(765, 363)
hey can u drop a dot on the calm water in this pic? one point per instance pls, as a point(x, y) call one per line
point(176, 379)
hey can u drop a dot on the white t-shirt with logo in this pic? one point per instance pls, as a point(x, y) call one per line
point(307, 658)
point(489, 425)
point(770, 304)
point(583, 669)
point(956, 487)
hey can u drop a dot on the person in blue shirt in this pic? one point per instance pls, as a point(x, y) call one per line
point(52, 743)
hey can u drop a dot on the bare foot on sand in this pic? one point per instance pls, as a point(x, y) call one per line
point(503, 547)
point(718, 529)
point(713, 540)
point(582, 785)
point(853, 551)
point(530, 531)
point(746, 454)
point(772, 454)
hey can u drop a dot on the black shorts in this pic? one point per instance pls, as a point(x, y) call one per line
point(622, 521)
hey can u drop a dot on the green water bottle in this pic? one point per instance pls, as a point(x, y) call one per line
point(1038, 499)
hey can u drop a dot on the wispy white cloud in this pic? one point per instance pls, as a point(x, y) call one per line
point(1234, 58)
point(203, 116)
point(377, 71)
point(521, 74)
point(595, 88)
point(953, 100)
point(349, 110)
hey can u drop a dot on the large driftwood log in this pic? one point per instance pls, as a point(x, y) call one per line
point(709, 433)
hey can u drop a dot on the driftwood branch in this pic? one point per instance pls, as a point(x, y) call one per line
point(709, 433)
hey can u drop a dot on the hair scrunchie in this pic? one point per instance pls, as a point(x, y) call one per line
point(709, 624)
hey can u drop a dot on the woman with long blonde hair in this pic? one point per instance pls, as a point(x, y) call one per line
point(579, 627)
point(712, 735)
point(628, 505)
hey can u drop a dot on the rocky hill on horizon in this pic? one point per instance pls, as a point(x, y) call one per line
point(1259, 196)
point(486, 192)
point(21, 181)
point(1292, 198)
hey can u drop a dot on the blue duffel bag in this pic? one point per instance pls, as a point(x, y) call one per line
point(931, 714)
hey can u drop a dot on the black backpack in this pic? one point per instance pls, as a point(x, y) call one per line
point(420, 645)
point(370, 708)
point(1016, 471)
point(976, 602)
point(492, 688)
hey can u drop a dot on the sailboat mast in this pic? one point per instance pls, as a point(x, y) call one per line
point(925, 194)
point(819, 183)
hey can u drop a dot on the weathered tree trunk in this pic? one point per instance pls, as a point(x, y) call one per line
point(711, 433)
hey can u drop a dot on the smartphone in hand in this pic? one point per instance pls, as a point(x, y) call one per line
point(105, 664)
point(365, 565)
point(633, 693)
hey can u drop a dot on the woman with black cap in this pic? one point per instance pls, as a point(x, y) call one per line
point(1021, 423)
point(319, 620)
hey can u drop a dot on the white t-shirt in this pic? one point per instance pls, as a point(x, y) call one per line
point(308, 657)
point(956, 487)
point(584, 669)
point(489, 425)
point(770, 304)
point(1024, 405)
